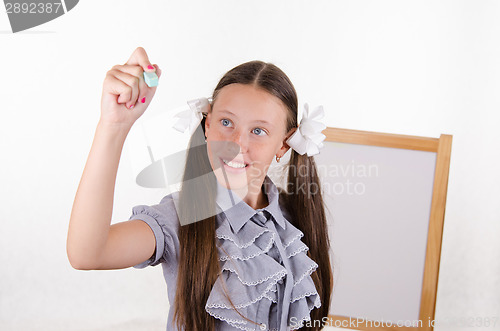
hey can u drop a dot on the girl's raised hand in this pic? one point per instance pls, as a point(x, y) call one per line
point(125, 94)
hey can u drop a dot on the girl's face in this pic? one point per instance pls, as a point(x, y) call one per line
point(245, 129)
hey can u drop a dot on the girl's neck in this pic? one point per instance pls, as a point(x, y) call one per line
point(256, 200)
point(262, 200)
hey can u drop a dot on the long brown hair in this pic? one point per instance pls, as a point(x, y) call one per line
point(199, 259)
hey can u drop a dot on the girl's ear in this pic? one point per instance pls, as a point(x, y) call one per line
point(207, 121)
point(285, 147)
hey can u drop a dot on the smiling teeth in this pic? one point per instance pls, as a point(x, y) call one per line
point(234, 164)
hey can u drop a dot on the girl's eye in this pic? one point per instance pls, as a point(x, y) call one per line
point(258, 131)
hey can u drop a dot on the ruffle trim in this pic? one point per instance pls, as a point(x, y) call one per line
point(148, 210)
point(251, 275)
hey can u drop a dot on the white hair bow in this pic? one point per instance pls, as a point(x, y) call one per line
point(191, 118)
point(308, 137)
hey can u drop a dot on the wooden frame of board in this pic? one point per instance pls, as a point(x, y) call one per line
point(442, 147)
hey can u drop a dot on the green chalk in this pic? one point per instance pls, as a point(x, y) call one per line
point(151, 79)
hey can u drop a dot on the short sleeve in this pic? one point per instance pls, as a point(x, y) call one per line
point(163, 220)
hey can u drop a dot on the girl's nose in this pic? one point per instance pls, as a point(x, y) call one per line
point(241, 139)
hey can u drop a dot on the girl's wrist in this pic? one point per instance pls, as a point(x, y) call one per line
point(118, 130)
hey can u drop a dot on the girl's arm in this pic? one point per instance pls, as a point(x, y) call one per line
point(92, 243)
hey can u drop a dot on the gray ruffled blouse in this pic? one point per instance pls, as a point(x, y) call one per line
point(266, 269)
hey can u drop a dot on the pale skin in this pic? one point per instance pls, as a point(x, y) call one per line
point(255, 121)
point(93, 243)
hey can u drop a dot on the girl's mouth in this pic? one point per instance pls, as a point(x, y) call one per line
point(234, 166)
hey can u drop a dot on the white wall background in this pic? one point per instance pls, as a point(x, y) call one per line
point(409, 67)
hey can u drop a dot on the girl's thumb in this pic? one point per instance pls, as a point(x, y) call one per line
point(158, 70)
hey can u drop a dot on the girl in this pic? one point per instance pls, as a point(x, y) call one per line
point(238, 253)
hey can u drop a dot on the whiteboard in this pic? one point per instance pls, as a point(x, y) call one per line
point(378, 202)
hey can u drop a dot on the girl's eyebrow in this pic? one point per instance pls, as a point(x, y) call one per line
point(256, 121)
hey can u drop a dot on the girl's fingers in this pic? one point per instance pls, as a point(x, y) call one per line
point(158, 70)
point(129, 69)
point(134, 84)
point(137, 71)
point(127, 81)
point(143, 90)
point(117, 87)
point(140, 57)
point(124, 87)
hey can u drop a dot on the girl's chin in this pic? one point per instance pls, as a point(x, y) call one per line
point(232, 181)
